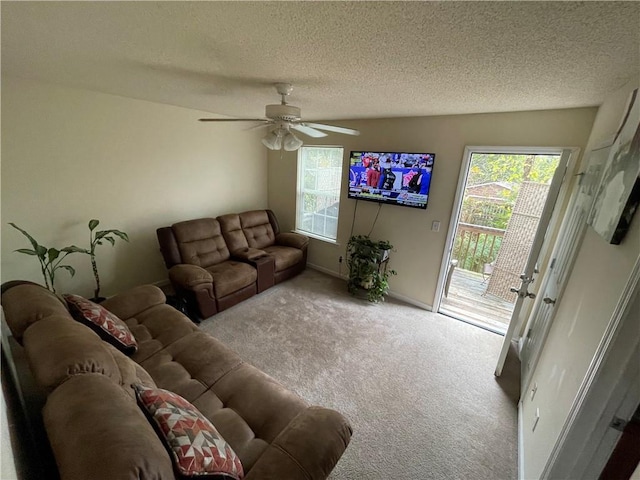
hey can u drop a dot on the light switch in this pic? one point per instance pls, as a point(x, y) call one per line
point(435, 226)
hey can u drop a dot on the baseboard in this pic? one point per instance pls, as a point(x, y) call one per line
point(392, 294)
point(520, 443)
point(326, 270)
point(410, 301)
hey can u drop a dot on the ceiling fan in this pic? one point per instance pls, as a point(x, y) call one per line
point(286, 117)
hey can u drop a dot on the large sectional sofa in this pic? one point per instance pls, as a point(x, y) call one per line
point(97, 431)
point(215, 263)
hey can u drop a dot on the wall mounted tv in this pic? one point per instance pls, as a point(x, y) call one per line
point(397, 178)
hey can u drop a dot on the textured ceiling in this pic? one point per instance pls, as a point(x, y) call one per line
point(345, 59)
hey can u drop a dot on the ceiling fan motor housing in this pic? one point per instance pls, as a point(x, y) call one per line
point(287, 113)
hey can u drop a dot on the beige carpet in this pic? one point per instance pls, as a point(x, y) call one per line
point(418, 388)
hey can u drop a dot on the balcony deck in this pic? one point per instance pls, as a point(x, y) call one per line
point(467, 300)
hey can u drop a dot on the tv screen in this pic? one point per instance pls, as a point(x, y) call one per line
point(397, 178)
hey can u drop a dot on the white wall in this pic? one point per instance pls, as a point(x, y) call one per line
point(70, 155)
point(597, 280)
point(418, 251)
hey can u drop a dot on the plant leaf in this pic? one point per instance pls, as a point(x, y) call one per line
point(93, 223)
point(120, 234)
point(26, 250)
point(74, 249)
point(41, 251)
point(110, 240)
point(53, 254)
point(69, 269)
point(31, 239)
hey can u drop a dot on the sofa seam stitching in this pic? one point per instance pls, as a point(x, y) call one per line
point(304, 470)
point(209, 387)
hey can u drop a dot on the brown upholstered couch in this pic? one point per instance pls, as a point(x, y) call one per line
point(97, 431)
point(215, 263)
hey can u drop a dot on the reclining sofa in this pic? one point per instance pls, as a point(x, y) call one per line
point(215, 263)
point(97, 431)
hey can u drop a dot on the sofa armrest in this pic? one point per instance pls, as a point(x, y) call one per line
point(249, 254)
point(131, 302)
point(291, 239)
point(189, 277)
point(308, 448)
point(98, 432)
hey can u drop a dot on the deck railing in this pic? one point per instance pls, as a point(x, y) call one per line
point(475, 246)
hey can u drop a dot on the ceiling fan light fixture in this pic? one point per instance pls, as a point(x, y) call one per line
point(283, 117)
point(273, 140)
point(291, 142)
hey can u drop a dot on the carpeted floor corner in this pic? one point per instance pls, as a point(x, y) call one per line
point(417, 387)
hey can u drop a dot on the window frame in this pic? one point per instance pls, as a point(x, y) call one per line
point(300, 192)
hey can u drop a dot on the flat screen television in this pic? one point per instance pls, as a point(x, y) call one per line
point(396, 178)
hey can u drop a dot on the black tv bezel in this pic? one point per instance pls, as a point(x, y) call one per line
point(382, 202)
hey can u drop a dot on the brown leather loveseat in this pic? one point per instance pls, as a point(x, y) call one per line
point(215, 263)
point(94, 425)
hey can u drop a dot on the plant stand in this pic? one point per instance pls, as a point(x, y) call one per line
point(368, 268)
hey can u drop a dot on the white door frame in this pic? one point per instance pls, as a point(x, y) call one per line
point(572, 226)
point(457, 203)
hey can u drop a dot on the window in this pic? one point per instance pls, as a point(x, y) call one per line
point(319, 180)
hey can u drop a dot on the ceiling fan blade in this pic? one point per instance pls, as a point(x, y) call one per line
point(332, 128)
point(233, 120)
point(312, 132)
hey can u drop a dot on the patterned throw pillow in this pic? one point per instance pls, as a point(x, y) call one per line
point(110, 328)
point(196, 447)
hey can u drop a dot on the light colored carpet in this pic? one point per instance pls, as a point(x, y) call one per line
point(418, 388)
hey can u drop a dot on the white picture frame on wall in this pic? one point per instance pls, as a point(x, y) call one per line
point(618, 195)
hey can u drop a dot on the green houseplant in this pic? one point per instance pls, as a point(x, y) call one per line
point(367, 263)
point(98, 238)
point(50, 258)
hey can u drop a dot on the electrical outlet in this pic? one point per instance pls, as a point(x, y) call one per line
point(340, 259)
point(435, 226)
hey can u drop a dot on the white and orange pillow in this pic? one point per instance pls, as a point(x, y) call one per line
point(110, 328)
point(197, 449)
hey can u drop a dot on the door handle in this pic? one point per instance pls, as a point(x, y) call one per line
point(522, 293)
point(549, 301)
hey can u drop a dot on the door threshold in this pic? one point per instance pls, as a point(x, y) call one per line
point(471, 321)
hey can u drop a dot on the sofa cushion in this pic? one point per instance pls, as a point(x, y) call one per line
point(285, 256)
point(135, 300)
point(232, 231)
point(191, 364)
point(156, 328)
point(195, 445)
point(27, 304)
point(110, 328)
point(257, 399)
point(58, 348)
point(201, 242)
point(231, 276)
point(257, 229)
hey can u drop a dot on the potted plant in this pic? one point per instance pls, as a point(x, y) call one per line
point(367, 261)
point(97, 238)
point(50, 258)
